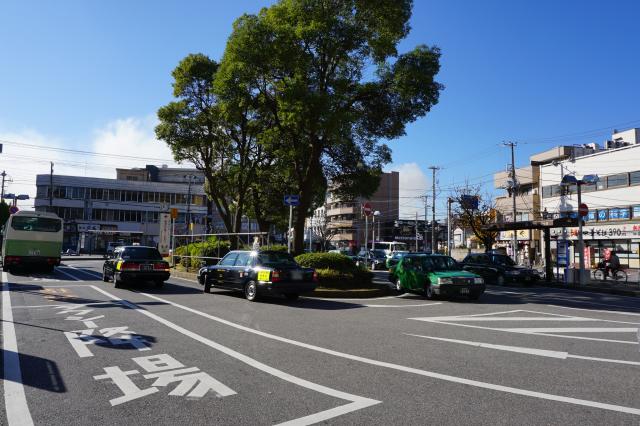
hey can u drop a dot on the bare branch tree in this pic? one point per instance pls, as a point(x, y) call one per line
point(474, 210)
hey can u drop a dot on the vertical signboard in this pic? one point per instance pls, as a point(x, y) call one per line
point(164, 241)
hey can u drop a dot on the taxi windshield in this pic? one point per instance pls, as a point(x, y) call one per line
point(440, 263)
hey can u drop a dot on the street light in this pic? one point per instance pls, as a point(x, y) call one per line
point(373, 229)
point(570, 180)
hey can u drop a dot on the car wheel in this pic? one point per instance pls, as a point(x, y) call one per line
point(116, 282)
point(428, 292)
point(207, 285)
point(399, 285)
point(251, 291)
point(500, 280)
point(159, 283)
point(291, 296)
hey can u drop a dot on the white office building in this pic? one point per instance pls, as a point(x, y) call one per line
point(613, 222)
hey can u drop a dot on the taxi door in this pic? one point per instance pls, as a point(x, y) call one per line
point(222, 272)
point(410, 278)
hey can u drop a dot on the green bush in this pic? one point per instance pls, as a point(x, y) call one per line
point(212, 247)
point(335, 261)
point(331, 278)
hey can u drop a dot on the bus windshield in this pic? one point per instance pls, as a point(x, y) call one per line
point(37, 224)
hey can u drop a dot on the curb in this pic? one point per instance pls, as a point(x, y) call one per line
point(593, 289)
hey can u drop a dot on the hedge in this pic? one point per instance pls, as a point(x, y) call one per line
point(336, 270)
point(212, 247)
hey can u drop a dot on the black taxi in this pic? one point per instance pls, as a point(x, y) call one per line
point(135, 263)
point(258, 273)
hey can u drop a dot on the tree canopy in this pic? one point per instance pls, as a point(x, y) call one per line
point(313, 89)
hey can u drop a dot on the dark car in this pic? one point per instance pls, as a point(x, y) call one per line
point(135, 263)
point(259, 272)
point(377, 259)
point(435, 275)
point(499, 268)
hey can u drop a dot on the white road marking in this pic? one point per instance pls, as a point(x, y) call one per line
point(505, 319)
point(564, 298)
point(403, 306)
point(598, 310)
point(536, 330)
point(37, 306)
point(417, 371)
point(357, 402)
point(528, 351)
point(15, 400)
point(459, 320)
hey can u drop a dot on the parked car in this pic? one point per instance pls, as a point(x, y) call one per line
point(499, 268)
point(135, 263)
point(258, 273)
point(377, 259)
point(395, 258)
point(435, 275)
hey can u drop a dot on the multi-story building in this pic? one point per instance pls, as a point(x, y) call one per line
point(345, 222)
point(98, 210)
point(613, 221)
point(528, 202)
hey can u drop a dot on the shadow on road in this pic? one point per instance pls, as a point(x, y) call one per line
point(39, 373)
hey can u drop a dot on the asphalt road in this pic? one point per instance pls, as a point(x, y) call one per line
point(91, 354)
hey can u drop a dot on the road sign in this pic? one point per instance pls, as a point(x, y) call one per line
point(13, 209)
point(291, 200)
point(583, 210)
point(469, 202)
point(174, 213)
point(366, 208)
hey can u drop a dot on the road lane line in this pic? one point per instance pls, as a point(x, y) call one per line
point(417, 371)
point(403, 306)
point(564, 336)
point(518, 349)
point(356, 402)
point(15, 400)
point(536, 330)
point(528, 351)
point(597, 310)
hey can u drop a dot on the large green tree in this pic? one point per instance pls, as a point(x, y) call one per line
point(217, 132)
point(329, 87)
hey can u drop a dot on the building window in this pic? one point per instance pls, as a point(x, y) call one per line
point(556, 190)
point(616, 181)
point(588, 187)
point(634, 178)
point(601, 184)
point(636, 212)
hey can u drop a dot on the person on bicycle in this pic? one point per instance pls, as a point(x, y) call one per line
point(612, 265)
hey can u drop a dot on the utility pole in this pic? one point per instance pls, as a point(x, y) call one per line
point(416, 231)
point(51, 188)
point(449, 202)
point(426, 197)
point(3, 176)
point(514, 186)
point(434, 243)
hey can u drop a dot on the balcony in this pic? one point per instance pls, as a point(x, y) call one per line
point(524, 175)
point(341, 223)
point(341, 210)
point(524, 203)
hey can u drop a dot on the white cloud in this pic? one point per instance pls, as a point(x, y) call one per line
point(128, 142)
point(413, 184)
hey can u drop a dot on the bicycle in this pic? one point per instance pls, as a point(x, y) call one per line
point(617, 275)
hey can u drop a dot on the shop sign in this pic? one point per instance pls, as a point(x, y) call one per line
point(84, 227)
point(606, 232)
point(522, 235)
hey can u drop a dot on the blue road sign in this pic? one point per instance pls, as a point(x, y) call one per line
point(291, 200)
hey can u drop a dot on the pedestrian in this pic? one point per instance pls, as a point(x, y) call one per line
point(256, 244)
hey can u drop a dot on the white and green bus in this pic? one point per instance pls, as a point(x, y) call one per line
point(31, 240)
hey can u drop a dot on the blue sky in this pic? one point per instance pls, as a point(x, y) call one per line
point(90, 75)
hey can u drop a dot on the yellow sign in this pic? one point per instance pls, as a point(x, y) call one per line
point(174, 213)
point(118, 265)
point(263, 275)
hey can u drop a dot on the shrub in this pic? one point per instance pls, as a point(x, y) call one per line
point(335, 261)
point(212, 247)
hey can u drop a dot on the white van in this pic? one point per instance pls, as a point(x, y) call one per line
point(390, 247)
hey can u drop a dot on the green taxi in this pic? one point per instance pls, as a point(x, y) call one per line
point(435, 275)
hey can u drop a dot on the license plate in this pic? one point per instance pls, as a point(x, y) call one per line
point(146, 267)
point(464, 291)
point(296, 275)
